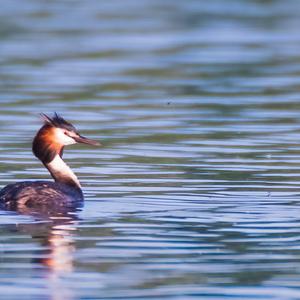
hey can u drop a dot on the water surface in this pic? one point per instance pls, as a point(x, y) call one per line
point(195, 193)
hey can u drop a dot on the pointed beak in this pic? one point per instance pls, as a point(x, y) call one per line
point(84, 140)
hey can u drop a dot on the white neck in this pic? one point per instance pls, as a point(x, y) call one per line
point(61, 172)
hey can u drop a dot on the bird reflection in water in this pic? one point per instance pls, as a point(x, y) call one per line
point(61, 247)
point(55, 232)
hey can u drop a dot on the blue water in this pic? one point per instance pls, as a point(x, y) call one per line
point(195, 192)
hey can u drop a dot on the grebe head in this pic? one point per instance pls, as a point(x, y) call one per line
point(54, 135)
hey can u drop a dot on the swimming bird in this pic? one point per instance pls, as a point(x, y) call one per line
point(48, 146)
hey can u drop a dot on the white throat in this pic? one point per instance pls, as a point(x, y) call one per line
point(61, 172)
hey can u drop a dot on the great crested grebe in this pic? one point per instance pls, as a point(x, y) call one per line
point(48, 146)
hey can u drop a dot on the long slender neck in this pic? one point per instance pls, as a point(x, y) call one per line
point(61, 172)
point(50, 153)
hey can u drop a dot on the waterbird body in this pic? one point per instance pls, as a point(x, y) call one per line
point(48, 146)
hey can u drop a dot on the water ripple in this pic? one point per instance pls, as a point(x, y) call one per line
point(194, 193)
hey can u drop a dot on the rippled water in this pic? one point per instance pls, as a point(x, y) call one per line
point(195, 193)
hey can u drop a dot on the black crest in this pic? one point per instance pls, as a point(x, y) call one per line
point(58, 121)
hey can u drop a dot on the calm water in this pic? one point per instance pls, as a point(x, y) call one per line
point(196, 191)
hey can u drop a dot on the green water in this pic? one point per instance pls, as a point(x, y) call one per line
point(195, 192)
